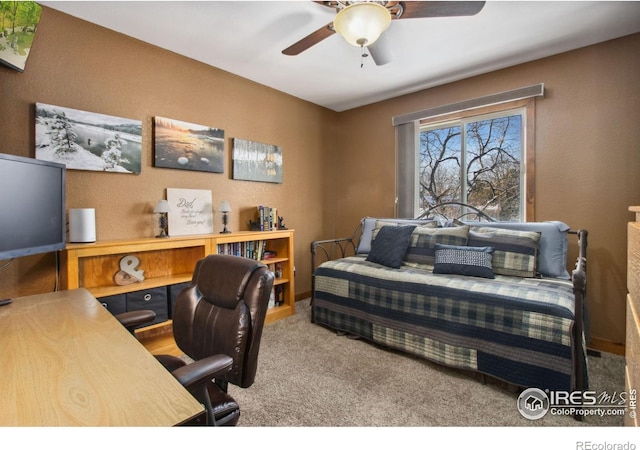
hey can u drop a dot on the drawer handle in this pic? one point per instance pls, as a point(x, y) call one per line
point(147, 297)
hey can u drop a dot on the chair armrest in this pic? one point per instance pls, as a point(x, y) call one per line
point(134, 318)
point(171, 362)
point(203, 371)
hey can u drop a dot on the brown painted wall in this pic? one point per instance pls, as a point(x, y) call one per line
point(82, 66)
point(338, 167)
point(587, 156)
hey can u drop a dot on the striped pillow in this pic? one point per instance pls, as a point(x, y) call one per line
point(422, 247)
point(515, 252)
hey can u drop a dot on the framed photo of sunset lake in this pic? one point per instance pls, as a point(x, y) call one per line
point(187, 146)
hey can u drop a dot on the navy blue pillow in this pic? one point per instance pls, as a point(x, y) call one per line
point(390, 245)
point(459, 260)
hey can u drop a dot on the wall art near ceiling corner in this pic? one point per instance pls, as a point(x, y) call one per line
point(190, 211)
point(255, 161)
point(183, 145)
point(88, 141)
point(18, 24)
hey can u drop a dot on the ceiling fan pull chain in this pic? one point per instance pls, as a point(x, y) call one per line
point(363, 55)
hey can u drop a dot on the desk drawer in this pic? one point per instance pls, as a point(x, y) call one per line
point(155, 299)
point(115, 304)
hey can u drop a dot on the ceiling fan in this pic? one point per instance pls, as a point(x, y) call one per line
point(361, 23)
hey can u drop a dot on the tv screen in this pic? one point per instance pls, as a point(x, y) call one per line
point(32, 206)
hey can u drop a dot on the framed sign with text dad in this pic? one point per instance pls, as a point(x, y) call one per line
point(190, 212)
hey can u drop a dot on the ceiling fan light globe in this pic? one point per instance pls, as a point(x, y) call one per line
point(362, 23)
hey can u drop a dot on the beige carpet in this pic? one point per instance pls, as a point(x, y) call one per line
point(310, 377)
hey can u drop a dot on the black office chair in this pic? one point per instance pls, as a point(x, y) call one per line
point(218, 322)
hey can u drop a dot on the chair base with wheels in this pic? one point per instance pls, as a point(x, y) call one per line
point(199, 378)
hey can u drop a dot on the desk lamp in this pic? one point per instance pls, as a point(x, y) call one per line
point(162, 208)
point(225, 208)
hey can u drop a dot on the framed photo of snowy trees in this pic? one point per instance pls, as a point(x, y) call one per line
point(256, 161)
point(88, 141)
point(18, 24)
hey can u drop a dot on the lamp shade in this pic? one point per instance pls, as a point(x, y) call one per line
point(362, 24)
point(224, 207)
point(161, 207)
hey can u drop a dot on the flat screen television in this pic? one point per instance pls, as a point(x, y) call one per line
point(32, 206)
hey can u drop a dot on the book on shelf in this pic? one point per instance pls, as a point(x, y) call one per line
point(276, 268)
point(277, 296)
point(249, 249)
point(267, 218)
point(272, 300)
point(279, 292)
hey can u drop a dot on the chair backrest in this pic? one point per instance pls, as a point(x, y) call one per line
point(223, 311)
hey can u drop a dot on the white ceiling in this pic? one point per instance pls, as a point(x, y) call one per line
point(247, 38)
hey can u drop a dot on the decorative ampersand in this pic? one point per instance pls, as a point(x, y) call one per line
point(129, 272)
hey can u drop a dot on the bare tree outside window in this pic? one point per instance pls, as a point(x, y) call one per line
point(475, 162)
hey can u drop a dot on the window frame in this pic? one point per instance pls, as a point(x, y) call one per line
point(525, 107)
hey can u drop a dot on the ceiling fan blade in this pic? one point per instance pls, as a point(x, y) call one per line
point(416, 9)
point(381, 51)
point(309, 41)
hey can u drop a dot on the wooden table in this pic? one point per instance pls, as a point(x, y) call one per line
point(66, 361)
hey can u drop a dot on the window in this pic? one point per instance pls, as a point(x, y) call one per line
point(480, 151)
point(476, 160)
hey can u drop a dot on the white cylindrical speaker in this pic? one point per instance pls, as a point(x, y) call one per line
point(82, 225)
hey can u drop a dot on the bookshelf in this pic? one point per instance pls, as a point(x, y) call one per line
point(171, 261)
point(254, 244)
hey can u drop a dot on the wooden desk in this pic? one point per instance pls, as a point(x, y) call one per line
point(66, 361)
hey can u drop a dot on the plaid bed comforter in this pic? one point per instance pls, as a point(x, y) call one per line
point(515, 329)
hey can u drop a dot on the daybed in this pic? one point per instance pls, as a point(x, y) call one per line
point(494, 298)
